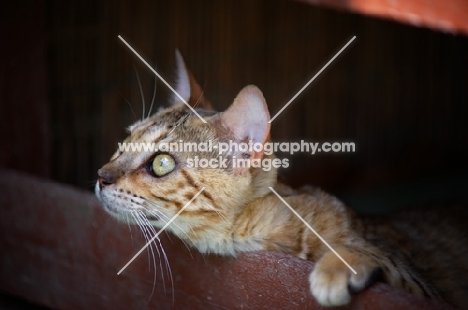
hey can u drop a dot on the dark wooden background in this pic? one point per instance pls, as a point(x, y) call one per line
point(68, 89)
point(399, 92)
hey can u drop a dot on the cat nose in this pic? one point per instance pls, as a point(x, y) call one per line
point(106, 177)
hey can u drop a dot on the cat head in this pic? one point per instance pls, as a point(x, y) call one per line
point(179, 154)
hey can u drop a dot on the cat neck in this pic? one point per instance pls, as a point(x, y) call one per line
point(233, 234)
point(236, 234)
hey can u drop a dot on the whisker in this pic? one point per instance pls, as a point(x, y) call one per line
point(147, 239)
point(197, 102)
point(141, 92)
point(129, 227)
point(168, 234)
point(154, 95)
point(220, 215)
point(152, 230)
point(168, 267)
point(162, 215)
point(143, 220)
point(147, 234)
point(128, 102)
point(179, 122)
point(199, 97)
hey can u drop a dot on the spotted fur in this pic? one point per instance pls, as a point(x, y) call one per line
point(237, 212)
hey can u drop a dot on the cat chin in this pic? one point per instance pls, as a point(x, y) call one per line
point(112, 211)
point(117, 213)
point(123, 215)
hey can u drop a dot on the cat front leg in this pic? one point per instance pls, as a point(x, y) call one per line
point(333, 283)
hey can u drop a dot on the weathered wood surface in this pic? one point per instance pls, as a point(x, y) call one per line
point(59, 249)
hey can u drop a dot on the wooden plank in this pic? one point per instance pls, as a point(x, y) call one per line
point(59, 249)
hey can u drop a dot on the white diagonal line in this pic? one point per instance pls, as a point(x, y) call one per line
point(311, 80)
point(160, 77)
point(313, 230)
point(161, 230)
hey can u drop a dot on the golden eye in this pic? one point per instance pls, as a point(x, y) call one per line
point(162, 164)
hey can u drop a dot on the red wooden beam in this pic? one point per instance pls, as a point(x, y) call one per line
point(448, 16)
point(59, 249)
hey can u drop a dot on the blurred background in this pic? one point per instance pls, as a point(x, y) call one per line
point(69, 87)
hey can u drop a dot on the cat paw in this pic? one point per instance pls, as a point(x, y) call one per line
point(332, 283)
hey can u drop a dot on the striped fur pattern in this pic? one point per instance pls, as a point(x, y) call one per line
point(237, 212)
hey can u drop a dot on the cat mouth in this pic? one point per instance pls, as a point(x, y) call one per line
point(118, 211)
point(113, 210)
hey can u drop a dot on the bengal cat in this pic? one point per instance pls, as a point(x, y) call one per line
point(422, 252)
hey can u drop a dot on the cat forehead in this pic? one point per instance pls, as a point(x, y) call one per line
point(172, 117)
point(162, 119)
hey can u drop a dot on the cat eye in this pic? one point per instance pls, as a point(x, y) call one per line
point(162, 165)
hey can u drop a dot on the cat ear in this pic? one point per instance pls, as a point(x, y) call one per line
point(248, 117)
point(187, 87)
